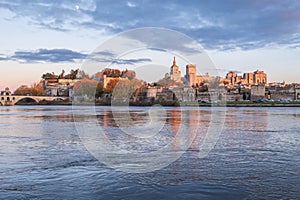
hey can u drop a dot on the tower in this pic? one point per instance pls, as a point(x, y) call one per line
point(175, 74)
point(190, 74)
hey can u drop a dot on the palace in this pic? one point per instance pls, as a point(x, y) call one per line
point(232, 78)
point(191, 76)
point(255, 78)
point(193, 79)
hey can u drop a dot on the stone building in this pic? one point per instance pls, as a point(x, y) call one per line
point(6, 92)
point(201, 79)
point(184, 93)
point(152, 91)
point(193, 79)
point(285, 92)
point(59, 85)
point(6, 97)
point(258, 92)
point(175, 73)
point(233, 78)
point(255, 78)
point(191, 74)
point(108, 74)
point(260, 77)
point(248, 79)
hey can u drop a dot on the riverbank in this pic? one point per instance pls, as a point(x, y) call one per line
point(177, 104)
point(252, 105)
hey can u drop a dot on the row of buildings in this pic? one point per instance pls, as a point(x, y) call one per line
point(233, 87)
point(60, 85)
point(190, 87)
point(255, 78)
point(232, 78)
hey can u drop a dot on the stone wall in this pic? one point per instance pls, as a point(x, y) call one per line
point(257, 92)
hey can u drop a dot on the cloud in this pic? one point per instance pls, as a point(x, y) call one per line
point(119, 61)
point(131, 4)
point(102, 54)
point(293, 47)
point(109, 57)
point(157, 49)
point(222, 25)
point(131, 61)
point(66, 55)
point(46, 55)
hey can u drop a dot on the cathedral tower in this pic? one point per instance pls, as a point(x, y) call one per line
point(175, 74)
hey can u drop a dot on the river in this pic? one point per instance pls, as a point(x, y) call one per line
point(45, 154)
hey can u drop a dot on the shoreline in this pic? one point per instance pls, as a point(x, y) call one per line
point(172, 104)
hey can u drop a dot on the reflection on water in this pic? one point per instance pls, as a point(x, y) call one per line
point(256, 156)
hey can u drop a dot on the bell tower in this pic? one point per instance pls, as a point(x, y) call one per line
point(174, 72)
point(190, 74)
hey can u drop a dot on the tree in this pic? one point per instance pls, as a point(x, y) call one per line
point(85, 87)
point(165, 82)
point(72, 75)
point(128, 74)
point(49, 76)
point(22, 90)
point(81, 75)
point(99, 90)
point(125, 89)
point(61, 74)
point(111, 72)
point(34, 90)
point(111, 85)
point(37, 89)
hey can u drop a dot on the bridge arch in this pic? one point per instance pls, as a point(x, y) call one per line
point(17, 100)
point(58, 99)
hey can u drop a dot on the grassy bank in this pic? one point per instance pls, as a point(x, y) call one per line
point(221, 104)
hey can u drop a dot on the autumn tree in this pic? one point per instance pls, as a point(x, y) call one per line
point(72, 75)
point(111, 85)
point(125, 89)
point(111, 72)
point(168, 83)
point(99, 90)
point(34, 90)
point(22, 90)
point(128, 74)
point(37, 89)
point(81, 75)
point(49, 76)
point(85, 87)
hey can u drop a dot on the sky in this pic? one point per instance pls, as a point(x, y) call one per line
point(239, 35)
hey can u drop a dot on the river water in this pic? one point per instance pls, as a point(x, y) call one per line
point(44, 155)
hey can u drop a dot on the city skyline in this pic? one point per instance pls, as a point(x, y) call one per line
point(238, 36)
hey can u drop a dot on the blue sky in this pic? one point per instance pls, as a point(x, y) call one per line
point(241, 35)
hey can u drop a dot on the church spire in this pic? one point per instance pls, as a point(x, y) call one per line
point(174, 61)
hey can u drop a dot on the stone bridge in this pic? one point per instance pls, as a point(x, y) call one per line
point(10, 100)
